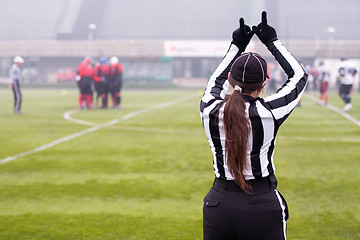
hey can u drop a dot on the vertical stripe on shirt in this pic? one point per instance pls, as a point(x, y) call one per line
point(257, 141)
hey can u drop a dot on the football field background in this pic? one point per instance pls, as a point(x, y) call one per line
point(142, 171)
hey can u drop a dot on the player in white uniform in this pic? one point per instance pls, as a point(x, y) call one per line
point(347, 72)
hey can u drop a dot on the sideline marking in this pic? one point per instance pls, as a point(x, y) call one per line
point(346, 115)
point(94, 128)
point(335, 109)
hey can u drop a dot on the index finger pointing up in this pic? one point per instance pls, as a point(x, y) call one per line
point(241, 21)
point(263, 19)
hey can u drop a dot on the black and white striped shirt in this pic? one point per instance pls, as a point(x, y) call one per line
point(264, 114)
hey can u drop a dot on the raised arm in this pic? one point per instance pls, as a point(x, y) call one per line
point(218, 85)
point(287, 97)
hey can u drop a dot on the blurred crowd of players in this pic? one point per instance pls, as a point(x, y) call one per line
point(97, 81)
point(319, 79)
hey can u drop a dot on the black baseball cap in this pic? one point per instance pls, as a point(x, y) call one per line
point(249, 68)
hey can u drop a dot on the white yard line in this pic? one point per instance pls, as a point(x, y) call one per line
point(92, 129)
point(158, 130)
point(321, 139)
point(347, 116)
point(67, 116)
point(335, 109)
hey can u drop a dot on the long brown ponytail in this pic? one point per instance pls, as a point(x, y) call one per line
point(236, 137)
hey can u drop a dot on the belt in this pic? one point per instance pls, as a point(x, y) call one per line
point(257, 184)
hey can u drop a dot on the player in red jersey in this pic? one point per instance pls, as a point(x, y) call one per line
point(102, 80)
point(115, 81)
point(84, 78)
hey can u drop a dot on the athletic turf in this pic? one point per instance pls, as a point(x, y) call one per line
point(144, 175)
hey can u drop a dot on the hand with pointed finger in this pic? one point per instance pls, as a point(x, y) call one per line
point(265, 33)
point(242, 35)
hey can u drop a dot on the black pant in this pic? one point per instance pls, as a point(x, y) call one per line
point(17, 96)
point(85, 85)
point(345, 93)
point(231, 214)
point(114, 89)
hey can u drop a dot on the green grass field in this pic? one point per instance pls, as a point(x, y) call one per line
point(144, 176)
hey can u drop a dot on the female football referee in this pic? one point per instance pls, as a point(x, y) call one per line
point(243, 202)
